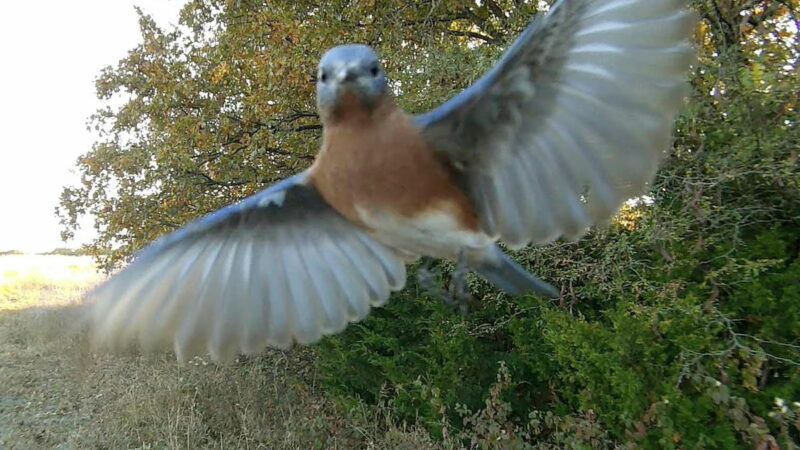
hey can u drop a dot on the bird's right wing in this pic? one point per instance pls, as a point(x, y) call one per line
point(279, 267)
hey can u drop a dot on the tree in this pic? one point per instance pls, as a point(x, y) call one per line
point(213, 111)
point(679, 323)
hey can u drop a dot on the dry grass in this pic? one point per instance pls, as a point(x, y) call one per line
point(56, 393)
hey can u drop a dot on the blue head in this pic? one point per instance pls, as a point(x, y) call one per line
point(350, 68)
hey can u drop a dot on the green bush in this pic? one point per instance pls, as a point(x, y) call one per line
point(668, 366)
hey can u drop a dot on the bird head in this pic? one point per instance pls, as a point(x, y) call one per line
point(349, 70)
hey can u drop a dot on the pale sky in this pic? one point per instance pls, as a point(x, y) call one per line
point(51, 52)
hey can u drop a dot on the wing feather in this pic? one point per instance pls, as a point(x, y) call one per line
point(354, 294)
point(355, 252)
point(191, 337)
point(254, 333)
point(307, 321)
point(327, 289)
point(168, 311)
point(280, 316)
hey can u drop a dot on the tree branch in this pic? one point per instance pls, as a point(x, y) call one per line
point(213, 181)
point(473, 35)
point(495, 9)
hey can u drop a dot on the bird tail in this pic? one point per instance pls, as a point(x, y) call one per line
point(500, 270)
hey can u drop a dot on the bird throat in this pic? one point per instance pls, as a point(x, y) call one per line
point(351, 107)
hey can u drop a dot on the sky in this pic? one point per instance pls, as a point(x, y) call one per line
point(51, 52)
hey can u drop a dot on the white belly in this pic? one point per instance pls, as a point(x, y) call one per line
point(434, 233)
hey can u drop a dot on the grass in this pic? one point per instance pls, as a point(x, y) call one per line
point(56, 393)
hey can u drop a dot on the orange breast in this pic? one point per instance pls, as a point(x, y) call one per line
point(376, 160)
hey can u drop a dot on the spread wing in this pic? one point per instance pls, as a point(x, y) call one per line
point(572, 121)
point(278, 267)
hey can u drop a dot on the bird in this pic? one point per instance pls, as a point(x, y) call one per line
point(572, 121)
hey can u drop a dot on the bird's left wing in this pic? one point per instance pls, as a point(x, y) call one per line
point(572, 121)
point(279, 267)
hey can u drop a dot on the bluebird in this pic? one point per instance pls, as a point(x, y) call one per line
point(571, 121)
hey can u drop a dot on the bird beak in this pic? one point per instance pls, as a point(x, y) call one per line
point(346, 74)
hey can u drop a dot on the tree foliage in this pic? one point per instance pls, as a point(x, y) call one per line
point(680, 322)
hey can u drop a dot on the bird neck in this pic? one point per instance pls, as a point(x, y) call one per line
point(351, 111)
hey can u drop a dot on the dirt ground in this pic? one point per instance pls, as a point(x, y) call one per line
point(56, 393)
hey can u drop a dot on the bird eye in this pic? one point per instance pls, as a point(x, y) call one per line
point(323, 77)
point(374, 71)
